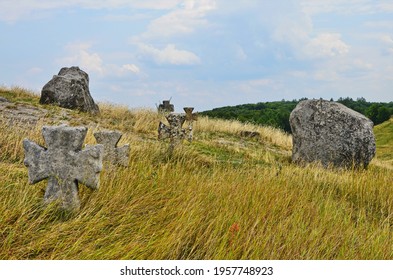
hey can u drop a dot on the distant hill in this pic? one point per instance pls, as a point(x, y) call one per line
point(277, 113)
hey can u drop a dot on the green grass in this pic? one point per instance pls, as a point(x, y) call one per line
point(220, 197)
point(20, 95)
point(384, 139)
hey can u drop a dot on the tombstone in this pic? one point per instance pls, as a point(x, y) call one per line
point(64, 164)
point(174, 132)
point(69, 89)
point(112, 153)
point(166, 106)
point(332, 134)
point(190, 118)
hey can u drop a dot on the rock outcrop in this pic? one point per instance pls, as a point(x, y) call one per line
point(69, 89)
point(332, 134)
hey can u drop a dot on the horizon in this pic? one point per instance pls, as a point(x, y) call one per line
point(204, 54)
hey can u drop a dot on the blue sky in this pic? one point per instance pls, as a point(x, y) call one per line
point(206, 53)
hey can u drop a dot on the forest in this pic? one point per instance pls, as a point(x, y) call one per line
point(277, 113)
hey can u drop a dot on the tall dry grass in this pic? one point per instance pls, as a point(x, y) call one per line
point(269, 134)
point(197, 203)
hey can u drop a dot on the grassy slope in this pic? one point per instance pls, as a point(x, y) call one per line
point(220, 197)
point(384, 136)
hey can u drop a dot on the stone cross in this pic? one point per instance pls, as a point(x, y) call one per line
point(166, 106)
point(190, 118)
point(64, 163)
point(112, 153)
point(174, 132)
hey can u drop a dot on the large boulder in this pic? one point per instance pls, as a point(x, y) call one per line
point(69, 89)
point(332, 134)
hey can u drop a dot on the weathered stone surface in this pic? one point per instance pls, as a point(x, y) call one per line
point(166, 106)
point(164, 131)
point(174, 132)
point(69, 89)
point(190, 118)
point(112, 153)
point(64, 163)
point(332, 134)
point(20, 114)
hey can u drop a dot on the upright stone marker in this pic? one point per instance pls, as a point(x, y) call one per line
point(112, 153)
point(166, 107)
point(174, 132)
point(190, 118)
point(332, 134)
point(64, 163)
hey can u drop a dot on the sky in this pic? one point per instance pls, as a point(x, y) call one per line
point(202, 53)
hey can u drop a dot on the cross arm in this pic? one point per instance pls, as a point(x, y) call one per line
point(89, 165)
point(36, 160)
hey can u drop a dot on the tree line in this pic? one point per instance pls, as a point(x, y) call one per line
point(277, 113)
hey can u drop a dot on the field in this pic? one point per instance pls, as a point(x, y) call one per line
point(220, 197)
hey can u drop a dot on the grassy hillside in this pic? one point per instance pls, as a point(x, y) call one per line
point(277, 113)
point(384, 136)
point(221, 197)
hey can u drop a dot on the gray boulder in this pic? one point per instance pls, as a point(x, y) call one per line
point(332, 134)
point(69, 89)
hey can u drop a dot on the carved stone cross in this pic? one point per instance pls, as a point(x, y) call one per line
point(190, 118)
point(64, 163)
point(174, 132)
point(112, 153)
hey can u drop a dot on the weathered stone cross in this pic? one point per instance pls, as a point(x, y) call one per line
point(190, 118)
point(112, 153)
point(64, 163)
point(174, 132)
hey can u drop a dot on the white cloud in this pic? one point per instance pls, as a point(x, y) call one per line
point(326, 45)
point(313, 7)
point(295, 32)
point(79, 54)
point(11, 10)
point(156, 4)
point(169, 55)
point(131, 68)
point(347, 7)
point(182, 20)
point(387, 39)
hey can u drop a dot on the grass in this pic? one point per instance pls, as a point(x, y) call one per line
point(220, 197)
point(384, 137)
